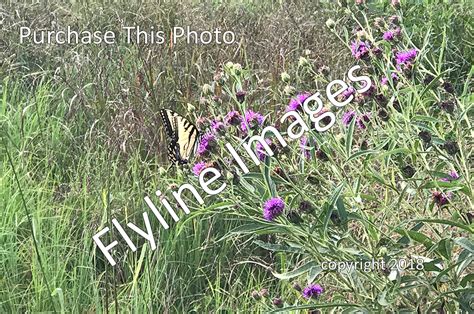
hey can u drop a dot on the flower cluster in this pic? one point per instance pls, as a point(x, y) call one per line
point(297, 102)
point(273, 208)
point(312, 291)
point(361, 120)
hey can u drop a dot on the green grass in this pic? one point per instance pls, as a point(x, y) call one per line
point(86, 145)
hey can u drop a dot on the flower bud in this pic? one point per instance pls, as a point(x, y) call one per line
point(303, 62)
point(278, 302)
point(191, 108)
point(289, 90)
point(207, 89)
point(330, 23)
point(285, 77)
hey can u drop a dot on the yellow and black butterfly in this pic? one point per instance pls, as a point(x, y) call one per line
point(182, 136)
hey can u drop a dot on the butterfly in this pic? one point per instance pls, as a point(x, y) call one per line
point(182, 136)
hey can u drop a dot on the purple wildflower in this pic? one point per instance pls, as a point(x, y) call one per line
point(312, 291)
point(348, 116)
point(217, 126)
point(391, 34)
point(452, 175)
point(304, 147)
point(441, 198)
point(388, 35)
point(360, 49)
point(297, 102)
point(207, 142)
point(362, 120)
point(233, 118)
point(199, 167)
point(240, 95)
point(261, 152)
point(252, 119)
point(370, 92)
point(384, 80)
point(273, 208)
point(404, 57)
point(377, 51)
point(348, 92)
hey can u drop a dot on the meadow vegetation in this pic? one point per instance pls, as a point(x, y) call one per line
point(82, 143)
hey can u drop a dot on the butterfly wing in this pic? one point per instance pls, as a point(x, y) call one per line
point(181, 134)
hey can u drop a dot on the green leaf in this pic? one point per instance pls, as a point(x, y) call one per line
point(268, 180)
point(465, 243)
point(444, 248)
point(341, 209)
point(296, 272)
point(416, 236)
point(246, 185)
point(360, 153)
point(466, 279)
point(349, 135)
point(332, 201)
point(313, 273)
point(447, 222)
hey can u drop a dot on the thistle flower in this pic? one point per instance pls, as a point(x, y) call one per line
point(396, 105)
point(360, 49)
point(305, 206)
point(452, 176)
point(273, 208)
point(199, 167)
point(240, 95)
point(384, 80)
point(362, 120)
point(408, 171)
point(207, 142)
point(441, 198)
point(447, 106)
point(378, 22)
point(324, 70)
point(348, 92)
point(296, 103)
point(233, 118)
point(428, 79)
point(394, 19)
point(261, 152)
point(312, 291)
point(252, 119)
point(202, 123)
point(384, 115)
point(396, 3)
point(217, 126)
point(448, 87)
point(389, 35)
point(403, 57)
point(425, 136)
point(278, 302)
point(297, 286)
point(451, 147)
point(256, 295)
point(304, 147)
point(348, 116)
point(263, 292)
point(321, 155)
